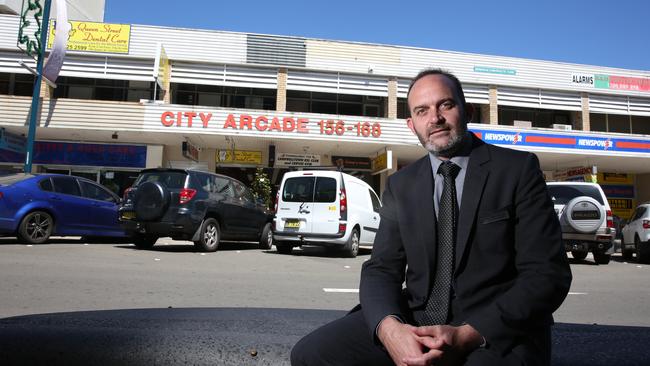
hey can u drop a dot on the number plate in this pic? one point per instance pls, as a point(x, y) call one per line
point(127, 215)
point(292, 224)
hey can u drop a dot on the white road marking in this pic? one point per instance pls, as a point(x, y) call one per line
point(156, 259)
point(577, 293)
point(344, 290)
point(346, 266)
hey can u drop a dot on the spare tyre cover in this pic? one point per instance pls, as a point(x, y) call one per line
point(583, 214)
point(151, 201)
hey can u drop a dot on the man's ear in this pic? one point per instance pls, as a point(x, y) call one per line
point(469, 112)
point(409, 122)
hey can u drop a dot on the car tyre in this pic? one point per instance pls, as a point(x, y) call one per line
point(284, 248)
point(627, 253)
point(351, 248)
point(579, 254)
point(144, 241)
point(266, 240)
point(642, 253)
point(209, 236)
point(601, 258)
point(36, 227)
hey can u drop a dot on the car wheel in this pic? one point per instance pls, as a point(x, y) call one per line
point(642, 254)
point(601, 258)
point(579, 254)
point(36, 227)
point(266, 240)
point(284, 248)
point(351, 248)
point(209, 236)
point(144, 241)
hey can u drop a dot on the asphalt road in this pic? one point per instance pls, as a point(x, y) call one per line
point(260, 298)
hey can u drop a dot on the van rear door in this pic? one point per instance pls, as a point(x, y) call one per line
point(325, 209)
point(295, 204)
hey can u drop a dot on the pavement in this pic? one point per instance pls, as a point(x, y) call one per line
point(241, 336)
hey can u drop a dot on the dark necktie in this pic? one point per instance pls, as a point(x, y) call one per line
point(437, 307)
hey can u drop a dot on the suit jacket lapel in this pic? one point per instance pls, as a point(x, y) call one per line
point(475, 179)
point(423, 215)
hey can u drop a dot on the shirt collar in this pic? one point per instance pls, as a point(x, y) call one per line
point(461, 158)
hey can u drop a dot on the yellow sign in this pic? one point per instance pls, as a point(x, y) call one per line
point(162, 68)
point(96, 37)
point(239, 157)
point(622, 207)
point(616, 178)
point(382, 162)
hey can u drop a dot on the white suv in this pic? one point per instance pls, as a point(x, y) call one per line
point(586, 219)
point(636, 235)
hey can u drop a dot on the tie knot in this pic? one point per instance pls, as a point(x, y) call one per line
point(448, 169)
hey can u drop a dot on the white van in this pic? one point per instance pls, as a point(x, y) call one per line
point(326, 208)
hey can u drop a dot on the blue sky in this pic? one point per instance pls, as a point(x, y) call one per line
point(598, 32)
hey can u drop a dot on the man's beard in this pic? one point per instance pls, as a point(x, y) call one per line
point(453, 145)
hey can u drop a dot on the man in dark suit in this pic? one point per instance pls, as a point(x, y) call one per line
point(471, 229)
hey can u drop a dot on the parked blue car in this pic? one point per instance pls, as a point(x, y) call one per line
point(35, 207)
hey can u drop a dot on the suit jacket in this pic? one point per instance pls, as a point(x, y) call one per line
point(511, 270)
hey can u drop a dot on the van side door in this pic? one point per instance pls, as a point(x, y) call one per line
point(373, 222)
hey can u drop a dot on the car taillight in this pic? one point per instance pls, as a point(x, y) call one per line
point(277, 198)
point(343, 201)
point(610, 219)
point(342, 228)
point(126, 192)
point(1, 194)
point(186, 195)
point(646, 223)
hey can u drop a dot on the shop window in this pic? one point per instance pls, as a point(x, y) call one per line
point(598, 122)
point(23, 84)
point(297, 105)
point(618, 123)
point(219, 96)
point(541, 118)
point(641, 125)
point(402, 108)
point(4, 83)
point(104, 89)
point(324, 107)
point(351, 109)
point(330, 103)
point(16, 84)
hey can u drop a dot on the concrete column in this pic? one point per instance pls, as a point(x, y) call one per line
point(281, 101)
point(586, 124)
point(576, 120)
point(494, 108)
point(391, 108)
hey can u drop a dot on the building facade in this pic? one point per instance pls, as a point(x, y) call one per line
point(230, 102)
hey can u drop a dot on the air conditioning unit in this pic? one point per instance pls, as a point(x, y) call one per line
point(522, 124)
point(557, 126)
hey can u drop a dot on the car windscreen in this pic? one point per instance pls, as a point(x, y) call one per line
point(8, 180)
point(173, 180)
point(562, 194)
point(309, 189)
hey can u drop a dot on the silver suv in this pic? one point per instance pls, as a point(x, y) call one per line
point(586, 219)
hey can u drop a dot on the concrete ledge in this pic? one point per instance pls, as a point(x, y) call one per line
point(240, 336)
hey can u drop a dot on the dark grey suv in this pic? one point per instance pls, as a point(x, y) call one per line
point(192, 205)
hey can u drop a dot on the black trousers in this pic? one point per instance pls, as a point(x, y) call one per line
point(347, 341)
